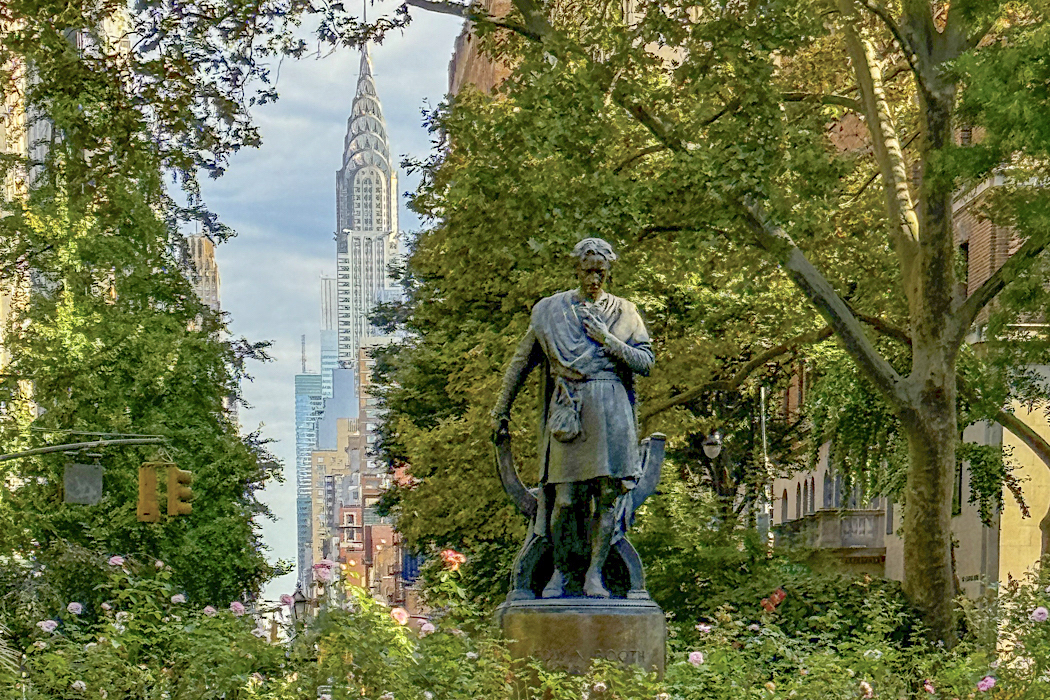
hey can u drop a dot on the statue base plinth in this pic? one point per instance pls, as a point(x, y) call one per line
point(568, 633)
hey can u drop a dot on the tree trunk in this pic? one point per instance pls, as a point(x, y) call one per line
point(927, 529)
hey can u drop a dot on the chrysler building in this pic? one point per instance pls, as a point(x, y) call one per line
point(366, 217)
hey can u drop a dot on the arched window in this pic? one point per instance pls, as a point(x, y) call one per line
point(812, 494)
point(805, 496)
point(798, 501)
point(828, 491)
point(784, 507)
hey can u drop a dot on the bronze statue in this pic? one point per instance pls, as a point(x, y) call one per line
point(593, 472)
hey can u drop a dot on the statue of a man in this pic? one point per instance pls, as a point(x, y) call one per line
point(593, 344)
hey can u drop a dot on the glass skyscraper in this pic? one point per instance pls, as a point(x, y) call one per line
point(308, 404)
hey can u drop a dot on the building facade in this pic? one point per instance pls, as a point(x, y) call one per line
point(205, 271)
point(366, 217)
point(308, 405)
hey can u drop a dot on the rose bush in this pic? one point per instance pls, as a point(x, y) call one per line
point(144, 645)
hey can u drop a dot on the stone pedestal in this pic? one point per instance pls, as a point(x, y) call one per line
point(567, 633)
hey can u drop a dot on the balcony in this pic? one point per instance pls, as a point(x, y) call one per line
point(854, 536)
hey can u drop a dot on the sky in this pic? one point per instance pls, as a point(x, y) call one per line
point(280, 199)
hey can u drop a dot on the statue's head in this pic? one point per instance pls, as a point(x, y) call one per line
point(594, 259)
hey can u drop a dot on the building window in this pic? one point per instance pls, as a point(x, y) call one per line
point(798, 501)
point(805, 496)
point(784, 507)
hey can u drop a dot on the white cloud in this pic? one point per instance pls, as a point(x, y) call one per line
point(280, 199)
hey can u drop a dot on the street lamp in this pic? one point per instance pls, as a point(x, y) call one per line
point(712, 445)
point(299, 604)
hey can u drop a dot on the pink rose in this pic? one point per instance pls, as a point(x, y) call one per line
point(178, 598)
point(928, 687)
point(985, 684)
point(116, 560)
point(48, 626)
point(866, 690)
point(210, 611)
point(322, 573)
point(75, 608)
point(400, 615)
point(1039, 614)
point(427, 628)
point(696, 657)
point(287, 600)
point(237, 608)
point(702, 628)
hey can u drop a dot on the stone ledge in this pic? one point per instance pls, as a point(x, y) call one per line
point(568, 633)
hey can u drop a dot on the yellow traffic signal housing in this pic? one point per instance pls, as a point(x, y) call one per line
point(149, 509)
point(179, 491)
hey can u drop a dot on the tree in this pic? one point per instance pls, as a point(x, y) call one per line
point(104, 333)
point(728, 104)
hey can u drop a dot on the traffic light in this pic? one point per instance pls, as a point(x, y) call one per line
point(179, 491)
point(149, 509)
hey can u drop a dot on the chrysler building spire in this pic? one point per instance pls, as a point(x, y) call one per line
point(366, 215)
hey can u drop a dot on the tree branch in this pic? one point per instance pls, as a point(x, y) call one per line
point(468, 12)
point(639, 155)
point(967, 312)
point(886, 145)
point(774, 240)
point(740, 375)
point(907, 46)
point(455, 9)
point(847, 102)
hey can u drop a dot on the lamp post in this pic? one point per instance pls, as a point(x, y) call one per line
point(712, 445)
point(299, 605)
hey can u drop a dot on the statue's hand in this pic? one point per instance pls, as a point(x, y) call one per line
point(595, 327)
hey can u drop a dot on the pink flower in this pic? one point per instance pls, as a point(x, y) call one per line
point(599, 687)
point(210, 611)
point(75, 608)
point(107, 607)
point(427, 628)
point(1039, 614)
point(287, 600)
point(237, 608)
point(159, 564)
point(400, 615)
point(322, 573)
point(985, 684)
point(696, 657)
point(178, 598)
point(928, 687)
point(452, 559)
point(866, 690)
point(48, 626)
point(116, 560)
point(702, 628)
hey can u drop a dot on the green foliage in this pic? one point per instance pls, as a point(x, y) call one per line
point(149, 645)
point(102, 330)
point(136, 637)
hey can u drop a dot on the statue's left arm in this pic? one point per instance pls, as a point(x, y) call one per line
point(627, 342)
point(638, 357)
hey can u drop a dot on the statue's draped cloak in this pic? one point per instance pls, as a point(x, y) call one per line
point(599, 381)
